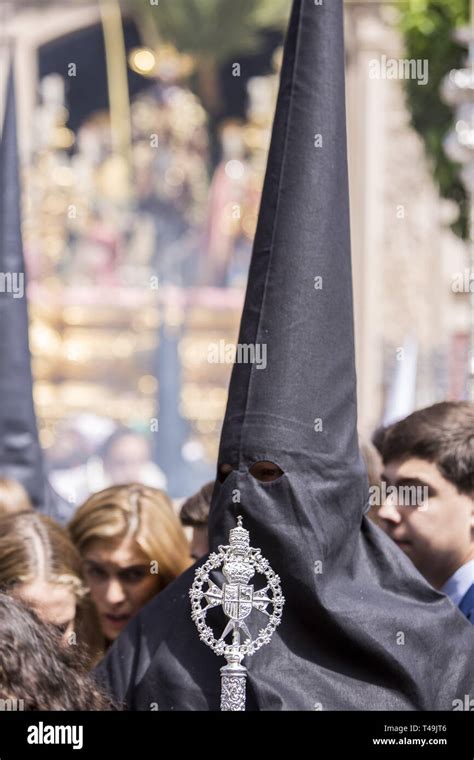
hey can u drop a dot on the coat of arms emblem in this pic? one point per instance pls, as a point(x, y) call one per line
point(238, 598)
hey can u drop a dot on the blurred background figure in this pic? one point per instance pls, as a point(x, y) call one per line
point(36, 672)
point(195, 514)
point(431, 452)
point(132, 545)
point(126, 458)
point(13, 497)
point(100, 461)
point(40, 566)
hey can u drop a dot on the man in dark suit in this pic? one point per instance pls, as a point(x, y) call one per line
point(430, 455)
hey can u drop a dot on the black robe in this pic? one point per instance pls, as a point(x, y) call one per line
point(361, 628)
point(21, 457)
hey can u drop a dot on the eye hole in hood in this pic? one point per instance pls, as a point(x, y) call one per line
point(223, 471)
point(266, 471)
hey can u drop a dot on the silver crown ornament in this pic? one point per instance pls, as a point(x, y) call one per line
point(238, 599)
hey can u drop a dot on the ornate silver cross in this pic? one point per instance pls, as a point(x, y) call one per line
point(238, 598)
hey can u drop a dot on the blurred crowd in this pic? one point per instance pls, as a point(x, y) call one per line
point(67, 592)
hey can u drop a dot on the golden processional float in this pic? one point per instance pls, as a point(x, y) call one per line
point(131, 241)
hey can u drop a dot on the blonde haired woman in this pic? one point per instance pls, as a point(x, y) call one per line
point(132, 545)
point(40, 566)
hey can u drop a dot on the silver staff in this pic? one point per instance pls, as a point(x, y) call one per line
point(239, 563)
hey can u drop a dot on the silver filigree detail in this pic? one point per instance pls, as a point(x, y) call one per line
point(238, 599)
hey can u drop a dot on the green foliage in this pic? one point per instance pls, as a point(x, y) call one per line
point(427, 26)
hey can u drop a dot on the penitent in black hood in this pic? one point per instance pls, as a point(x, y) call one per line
point(361, 628)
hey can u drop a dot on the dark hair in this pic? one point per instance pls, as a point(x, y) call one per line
point(195, 510)
point(443, 434)
point(378, 437)
point(37, 670)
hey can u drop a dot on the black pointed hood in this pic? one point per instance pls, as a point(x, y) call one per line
point(296, 405)
point(361, 629)
point(20, 453)
point(298, 308)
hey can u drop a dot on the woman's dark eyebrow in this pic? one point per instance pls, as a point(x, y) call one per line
point(107, 566)
point(93, 562)
point(142, 566)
